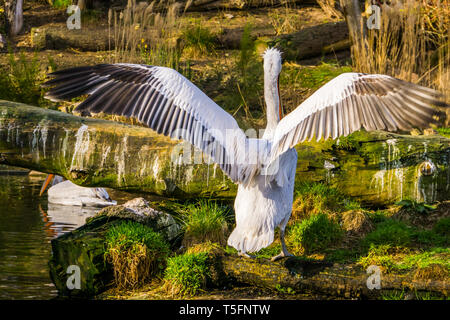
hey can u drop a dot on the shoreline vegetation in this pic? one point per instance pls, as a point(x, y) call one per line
point(333, 235)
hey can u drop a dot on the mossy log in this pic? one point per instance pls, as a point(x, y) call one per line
point(304, 276)
point(378, 167)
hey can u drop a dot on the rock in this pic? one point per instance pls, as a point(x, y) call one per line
point(140, 211)
point(85, 246)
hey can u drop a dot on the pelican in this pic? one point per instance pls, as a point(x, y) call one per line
point(64, 192)
point(263, 168)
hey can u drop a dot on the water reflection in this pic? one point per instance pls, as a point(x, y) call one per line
point(27, 225)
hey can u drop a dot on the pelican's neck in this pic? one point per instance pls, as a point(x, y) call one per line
point(272, 97)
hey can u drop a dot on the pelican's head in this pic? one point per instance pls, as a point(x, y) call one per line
point(272, 70)
point(272, 63)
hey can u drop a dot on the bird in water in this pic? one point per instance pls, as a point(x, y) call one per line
point(64, 192)
point(263, 168)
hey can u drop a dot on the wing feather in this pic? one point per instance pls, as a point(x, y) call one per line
point(354, 100)
point(166, 102)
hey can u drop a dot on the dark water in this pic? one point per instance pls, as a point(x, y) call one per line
point(27, 225)
point(25, 234)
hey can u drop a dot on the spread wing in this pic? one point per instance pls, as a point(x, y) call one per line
point(354, 100)
point(168, 103)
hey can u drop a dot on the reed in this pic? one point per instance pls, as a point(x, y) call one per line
point(412, 43)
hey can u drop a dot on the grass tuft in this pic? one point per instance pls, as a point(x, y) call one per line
point(136, 253)
point(315, 233)
point(205, 221)
point(187, 274)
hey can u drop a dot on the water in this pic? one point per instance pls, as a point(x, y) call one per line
point(27, 225)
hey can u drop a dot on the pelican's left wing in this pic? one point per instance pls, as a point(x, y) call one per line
point(165, 101)
point(354, 100)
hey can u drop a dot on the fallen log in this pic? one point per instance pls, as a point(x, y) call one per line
point(379, 168)
point(308, 42)
point(210, 5)
point(300, 275)
point(314, 41)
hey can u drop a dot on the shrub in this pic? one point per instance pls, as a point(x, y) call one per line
point(205, 221)
point(187, 273)
point(21, 80)
point(315, 233)
point(198, 40)
point(136, 252)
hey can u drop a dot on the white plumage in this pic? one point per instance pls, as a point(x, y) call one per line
point(264, 168)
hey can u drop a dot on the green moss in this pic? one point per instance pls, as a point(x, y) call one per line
point(187, 273)
point(315, 233)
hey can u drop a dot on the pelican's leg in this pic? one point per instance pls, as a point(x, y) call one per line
point(284, 251)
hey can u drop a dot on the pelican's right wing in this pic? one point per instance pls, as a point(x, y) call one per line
point(165, 101)
point(354, 100)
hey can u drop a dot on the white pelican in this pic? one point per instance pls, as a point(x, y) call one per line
point(64, 192)
point(170, 104)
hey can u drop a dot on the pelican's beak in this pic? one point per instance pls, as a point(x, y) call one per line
point(280, 109)
point(46, 183)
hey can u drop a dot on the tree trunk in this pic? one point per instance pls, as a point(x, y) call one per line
point(13, 16)
point(356, 26)
point(378, 168)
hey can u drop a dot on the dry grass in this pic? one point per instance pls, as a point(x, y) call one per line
point(138, 29)
point(431, 272)
point(411, 44)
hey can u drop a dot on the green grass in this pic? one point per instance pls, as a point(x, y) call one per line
point(396, 233)
point(205, 221)
point(61, 4)
point(389, 232)
point(314, 233)
point(187, 273)
point(313, 198)
point(444, 131)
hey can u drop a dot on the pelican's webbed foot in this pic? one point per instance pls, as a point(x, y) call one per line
point(283, 254)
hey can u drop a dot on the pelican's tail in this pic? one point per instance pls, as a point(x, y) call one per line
point(246, 241)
